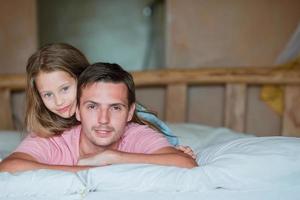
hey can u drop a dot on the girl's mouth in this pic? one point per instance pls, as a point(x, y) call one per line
point(63, 110)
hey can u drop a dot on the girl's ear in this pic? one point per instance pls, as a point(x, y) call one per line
point(77, 114)
point(131, 112)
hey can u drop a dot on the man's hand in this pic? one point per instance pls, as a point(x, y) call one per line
point(106, 157)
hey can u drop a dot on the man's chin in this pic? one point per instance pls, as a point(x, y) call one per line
point(105, 143)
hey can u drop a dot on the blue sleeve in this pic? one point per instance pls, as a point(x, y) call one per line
point(143, 114)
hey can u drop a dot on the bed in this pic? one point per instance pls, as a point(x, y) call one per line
point(233, 165)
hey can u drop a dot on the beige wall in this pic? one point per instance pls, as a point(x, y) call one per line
point(18, 37)
point(198, 33)
point(231, 32)
point(203, 33)
point(18, 40)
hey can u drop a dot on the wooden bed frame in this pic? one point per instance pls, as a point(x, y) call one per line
point(176, 83)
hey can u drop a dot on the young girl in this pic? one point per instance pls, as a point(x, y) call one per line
point(50, 111)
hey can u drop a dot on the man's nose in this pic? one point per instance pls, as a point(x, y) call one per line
point(103, 116)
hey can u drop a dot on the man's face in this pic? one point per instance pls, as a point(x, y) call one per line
point(104, 113)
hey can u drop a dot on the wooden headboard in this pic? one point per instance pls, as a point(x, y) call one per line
point(176, 83)
point(9, 84)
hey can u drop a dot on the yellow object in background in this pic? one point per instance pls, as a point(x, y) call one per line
point(274, 95)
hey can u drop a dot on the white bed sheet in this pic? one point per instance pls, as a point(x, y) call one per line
point(233, 166)
point(291, 193)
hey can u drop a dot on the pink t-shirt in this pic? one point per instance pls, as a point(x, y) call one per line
point(64, 149)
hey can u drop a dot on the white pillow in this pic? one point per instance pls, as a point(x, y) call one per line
point(145, 177)
point(39, 183)
point(242, 164)
point(253, 163)
point(199, 137)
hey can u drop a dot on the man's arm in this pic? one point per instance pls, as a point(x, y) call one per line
point(23, 162)
point(164, 156)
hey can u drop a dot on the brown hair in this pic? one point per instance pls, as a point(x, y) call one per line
point(113, 73)
point(106, 72)
point(49, 58)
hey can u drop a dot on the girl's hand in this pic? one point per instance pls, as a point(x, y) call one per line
point(187, 150)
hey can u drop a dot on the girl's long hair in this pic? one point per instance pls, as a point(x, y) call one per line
point(50, 58)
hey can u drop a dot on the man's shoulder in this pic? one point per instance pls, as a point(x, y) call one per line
point(68, 135)
point(72, 133)
point(137, 130)
point(73, 130)
point(135, 127)
point(60, 149)
point(141, 139)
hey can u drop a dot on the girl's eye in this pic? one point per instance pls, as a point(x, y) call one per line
point(47, 95)
point(64, 89)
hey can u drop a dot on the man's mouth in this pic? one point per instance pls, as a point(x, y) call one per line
point(103, 132)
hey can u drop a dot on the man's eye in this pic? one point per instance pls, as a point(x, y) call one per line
point(91, 106)
point(116, 108)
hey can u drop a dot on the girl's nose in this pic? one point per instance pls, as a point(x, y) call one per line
point(59, 101)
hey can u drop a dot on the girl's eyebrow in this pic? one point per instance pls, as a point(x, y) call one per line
point(44, 91)
point(64, 85)
point(61, 86)
point(67, 83)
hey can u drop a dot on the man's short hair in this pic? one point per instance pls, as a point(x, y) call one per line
point(107, 73)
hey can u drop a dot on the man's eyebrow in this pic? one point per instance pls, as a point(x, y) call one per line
point(119, 104)
point(89, 101)
point(112, 104)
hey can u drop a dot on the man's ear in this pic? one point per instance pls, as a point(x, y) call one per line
point(77, 114)
point(131, 112)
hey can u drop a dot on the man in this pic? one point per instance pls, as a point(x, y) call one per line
point(106, 103)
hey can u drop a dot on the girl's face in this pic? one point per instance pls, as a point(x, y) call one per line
point(58, 92)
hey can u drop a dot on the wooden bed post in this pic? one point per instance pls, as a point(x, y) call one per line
point(235, 106)
point(6, 122)
point(291, 115)
point(176, 99)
